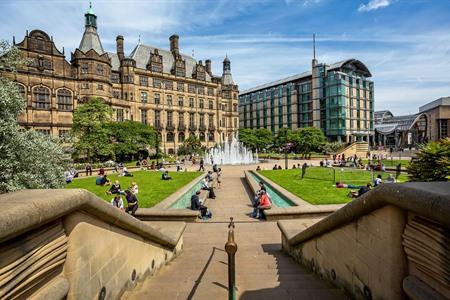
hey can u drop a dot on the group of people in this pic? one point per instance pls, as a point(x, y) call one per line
point(130, 196)
point(208, 184)
point(365, 188)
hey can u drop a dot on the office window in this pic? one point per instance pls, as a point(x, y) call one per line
point(84, 68)
point(64, 100)
point(191, 102)
point(99, 69)
point(143, 80)
point(119, 115)
point(211, 104)
point(202, 103)
point(191, 88)
point(168, 85)
point(157, 83)
point(157, 118)
point(169, 100)
point(180, 86)
point(210, 92)
point(180, 101)
point(157, 98)
point(144, 97)
point(41, 97)
point(144, 116)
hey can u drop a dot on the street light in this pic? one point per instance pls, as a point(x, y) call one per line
point(285, 147)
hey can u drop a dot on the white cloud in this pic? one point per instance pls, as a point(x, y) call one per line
point(374, 5)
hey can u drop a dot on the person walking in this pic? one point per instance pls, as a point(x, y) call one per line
point(88, 169)
point(398, 169)
point(202, 168)
point(304, 166)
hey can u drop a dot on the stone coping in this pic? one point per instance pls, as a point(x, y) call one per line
point(29, 209)
point(167, 202)
point(428, 199)
point(301, 208)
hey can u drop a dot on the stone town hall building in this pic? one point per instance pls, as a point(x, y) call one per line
point(173, 92)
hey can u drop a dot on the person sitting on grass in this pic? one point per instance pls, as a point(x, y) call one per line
point(115, 188)
point(258, 168)
point(378, 180)
point(125, 172)
point(275, 167)
point(132, 202)
point(279, 167)
point(264, 203)
point(362, 190)
point(391, 179)
point(117, 202)
point(102, 180)
point(134, 188)
point(165, 176)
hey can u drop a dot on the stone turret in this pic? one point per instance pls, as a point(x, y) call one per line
point(119, 47)
point(227, 79)
point(90, 39)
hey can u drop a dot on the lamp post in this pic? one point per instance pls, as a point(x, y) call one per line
point(157, 147)
point(285, 148)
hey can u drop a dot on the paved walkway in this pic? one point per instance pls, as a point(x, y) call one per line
point(262, 270)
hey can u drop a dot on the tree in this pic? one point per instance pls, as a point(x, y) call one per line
point(190, 146)
point(91, 136)
point(285, 136)
point(333, 147)
point(432, 162)
point(248, 138)
point(129, 137)
point(310, 139)
point(28, 159)
point(264, 138)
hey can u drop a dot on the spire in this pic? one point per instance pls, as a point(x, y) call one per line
point(90, 39)
point(226, 76)
point(90, 17)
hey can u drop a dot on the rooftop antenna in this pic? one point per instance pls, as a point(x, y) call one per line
point(314, 46)
point(139, 41)
point(193, 52)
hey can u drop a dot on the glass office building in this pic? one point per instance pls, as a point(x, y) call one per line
point(336, 98)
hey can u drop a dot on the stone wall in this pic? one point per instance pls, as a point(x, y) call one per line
point(364, 257)
point(103, 256)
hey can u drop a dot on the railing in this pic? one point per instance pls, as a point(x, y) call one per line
point(231, 248)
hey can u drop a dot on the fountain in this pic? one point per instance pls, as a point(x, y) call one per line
point(231, 153)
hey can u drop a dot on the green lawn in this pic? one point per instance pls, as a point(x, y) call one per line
point(392, 163)
point(318, 187)
point(152, 189)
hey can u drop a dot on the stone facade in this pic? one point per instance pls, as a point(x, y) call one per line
point(438, 115)
point(176, 94)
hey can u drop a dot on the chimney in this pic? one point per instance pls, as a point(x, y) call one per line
point(174, 44)
point(208, 66)
point(119, 47)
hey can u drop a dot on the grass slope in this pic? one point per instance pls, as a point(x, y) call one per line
point(318, 187)
point(152, 189)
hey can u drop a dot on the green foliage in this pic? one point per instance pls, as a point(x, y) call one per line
point(27, 159)
point(91, 136)
point(190, 146)
point(256, 139)
point(333, 147)
point(128, 138)
point(310, 139)
point(432, 163)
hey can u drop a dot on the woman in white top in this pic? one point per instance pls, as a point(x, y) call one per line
point(134, 188)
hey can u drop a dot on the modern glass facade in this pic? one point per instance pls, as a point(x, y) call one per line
point(336, 98)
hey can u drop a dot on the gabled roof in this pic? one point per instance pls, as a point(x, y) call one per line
point(141, 54)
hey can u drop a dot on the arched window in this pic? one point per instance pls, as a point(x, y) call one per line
point(181, 137)
point(170, 137)
point(202, 136)
point(235, 107)
point(41, 97)
point(64, 100)
point(211, 137)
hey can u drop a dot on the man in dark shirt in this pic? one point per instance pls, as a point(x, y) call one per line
point(132, 202)
point(364, 189)
point(195, 201)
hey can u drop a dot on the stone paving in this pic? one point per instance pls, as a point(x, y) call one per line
point(262, 270)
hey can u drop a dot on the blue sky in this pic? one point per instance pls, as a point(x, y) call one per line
point(405, 43)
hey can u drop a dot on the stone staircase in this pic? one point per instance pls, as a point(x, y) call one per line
point(262, 270)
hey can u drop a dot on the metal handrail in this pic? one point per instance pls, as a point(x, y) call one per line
point(231, 248)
